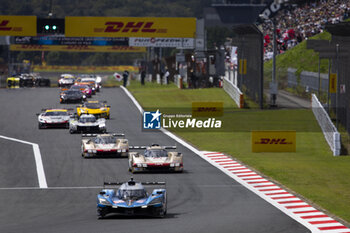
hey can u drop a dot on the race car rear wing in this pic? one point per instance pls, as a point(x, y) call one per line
point(145, 147)
point(45, 109)
point(143, 183)
point(68, 109)
point(95, 135)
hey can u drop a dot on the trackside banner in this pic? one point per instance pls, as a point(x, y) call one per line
point(130, 27)
point(11, 25)
point(78, 48)
point(273, 141)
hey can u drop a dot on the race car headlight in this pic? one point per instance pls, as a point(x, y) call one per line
point(103, 109)
point(172, 165)
point(93, 88)
point(139, 165)
point(84, 96)
point(103, 201)
point(91, 151)
point(123, 150)
point(177, 164)
point(144, 165)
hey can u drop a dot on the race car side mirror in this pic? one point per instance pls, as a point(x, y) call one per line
point(108, 106)
point(102, 192)
point(37, 114)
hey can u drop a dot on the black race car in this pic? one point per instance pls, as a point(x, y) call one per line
point(72, 96)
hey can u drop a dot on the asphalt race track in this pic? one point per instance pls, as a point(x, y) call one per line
point(201, 199)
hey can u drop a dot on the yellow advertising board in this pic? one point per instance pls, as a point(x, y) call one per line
point(12, 25)
point(130, 27)
point(333, 83)
point(78, 48)
point(242, 66)
point(273, 141)
point(207, 109)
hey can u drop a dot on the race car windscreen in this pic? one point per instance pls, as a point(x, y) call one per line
point(93, 105)
point(58, 113)
point(131, 194)
point(73, 92)
point(105, 140)
point(87, 119)
point(157, 153)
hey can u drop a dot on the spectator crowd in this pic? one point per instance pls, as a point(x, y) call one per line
point(299, 22)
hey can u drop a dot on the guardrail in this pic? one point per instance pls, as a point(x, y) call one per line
point(233, 92)
point(330, 132)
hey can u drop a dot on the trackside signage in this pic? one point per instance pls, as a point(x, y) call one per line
point(78, 48)
point(11, 25)
point(273, 141)
point(207, 109)
point(150, 27)
point(158, 120)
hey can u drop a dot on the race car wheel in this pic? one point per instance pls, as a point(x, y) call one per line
point(101, 213)
point(132, 170)
point(71, 131)
point(40, 126)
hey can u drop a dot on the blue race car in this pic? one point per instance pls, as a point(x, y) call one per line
point(131, 198)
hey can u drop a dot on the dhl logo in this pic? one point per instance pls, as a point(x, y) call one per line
point(28, 46)
point(4, 26)
point(117, 26)
point(281, 141)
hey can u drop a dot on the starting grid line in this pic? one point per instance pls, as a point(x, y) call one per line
point(293, 206)
point(38, 160)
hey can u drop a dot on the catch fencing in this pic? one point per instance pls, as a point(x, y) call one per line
point(330, 132)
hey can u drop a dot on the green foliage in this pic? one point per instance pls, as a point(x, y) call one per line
point(299, 58)
point(137, 8)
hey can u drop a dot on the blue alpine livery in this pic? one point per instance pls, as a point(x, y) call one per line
point(131, 198)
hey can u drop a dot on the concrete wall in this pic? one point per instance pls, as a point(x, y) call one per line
point(307, 79)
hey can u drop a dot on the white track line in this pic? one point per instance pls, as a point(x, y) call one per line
point(293, 210)
point(38, 160)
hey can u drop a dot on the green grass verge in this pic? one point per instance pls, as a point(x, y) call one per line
point(312, 171)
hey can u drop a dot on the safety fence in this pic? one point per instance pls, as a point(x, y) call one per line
point(233, 91)
point(330, 132)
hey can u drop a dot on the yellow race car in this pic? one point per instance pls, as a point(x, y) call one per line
point(94, 107)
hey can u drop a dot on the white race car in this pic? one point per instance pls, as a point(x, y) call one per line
point(87, 123)
point(66, 80)
point(53, 118)
point(155, 158)
point(104, 145)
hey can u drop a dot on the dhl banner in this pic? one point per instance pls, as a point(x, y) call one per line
point(273, 141)
point(11, 25)
point(78, 48)
point(207, 109)
point(130, 27)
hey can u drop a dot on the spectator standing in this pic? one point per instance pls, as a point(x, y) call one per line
point(143, 76)
point(125, 78)
point(166, 76)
